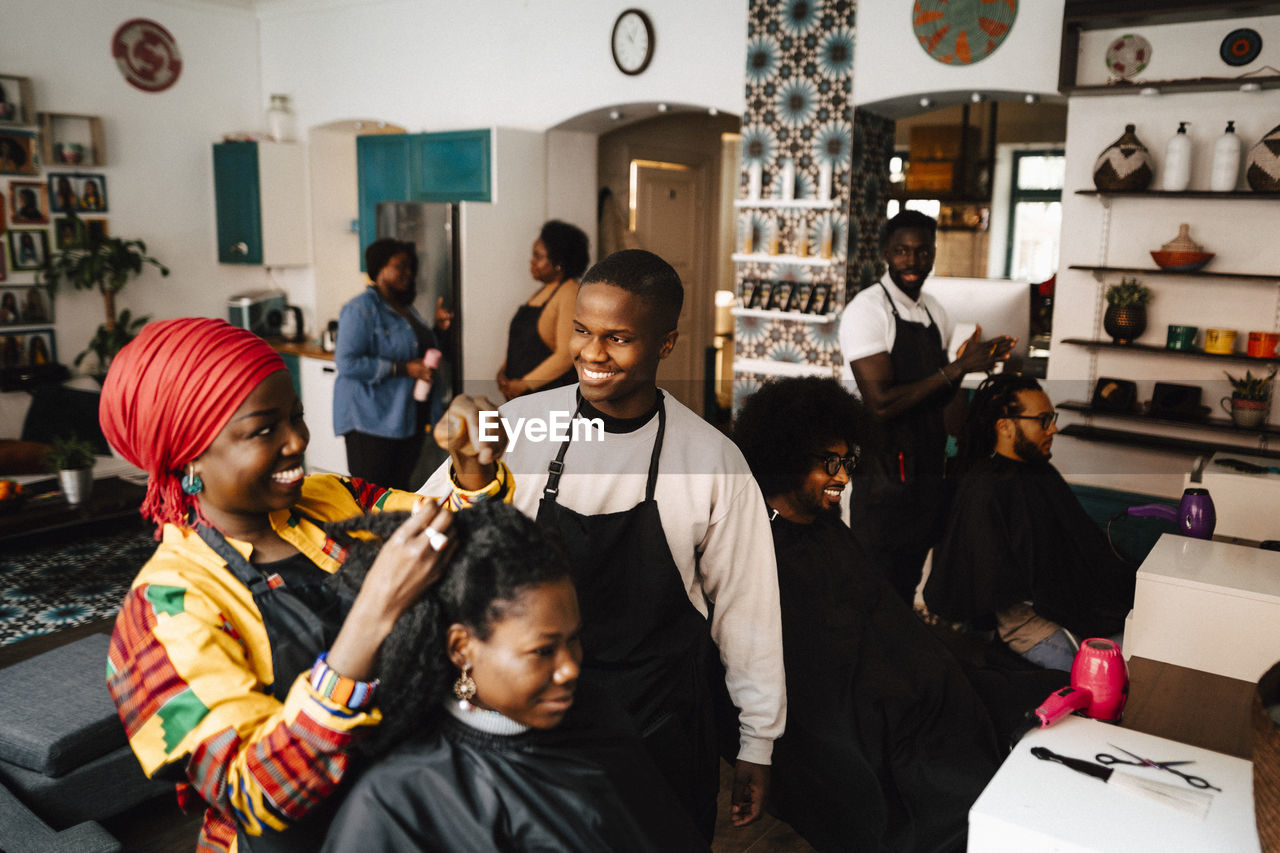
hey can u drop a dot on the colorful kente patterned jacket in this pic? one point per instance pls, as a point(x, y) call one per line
point(190, 669)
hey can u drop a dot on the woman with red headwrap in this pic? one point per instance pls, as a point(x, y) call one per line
point(234, 665)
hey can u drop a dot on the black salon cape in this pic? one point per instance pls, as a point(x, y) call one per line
point(887, 746)
point(586, 785)
point(1018, 533)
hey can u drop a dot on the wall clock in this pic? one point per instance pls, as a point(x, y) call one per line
point(961, 32)
point(632, 41)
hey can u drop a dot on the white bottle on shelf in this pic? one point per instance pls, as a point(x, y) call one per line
point(1177, 161)
point(1226, 161)
point(788, 179)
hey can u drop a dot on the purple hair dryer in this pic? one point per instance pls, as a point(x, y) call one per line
point(1194, 516)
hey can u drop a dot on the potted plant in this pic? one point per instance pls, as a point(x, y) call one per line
point(1126, 316)
point(72, 458)
point(1250, 400)
point(105, 264)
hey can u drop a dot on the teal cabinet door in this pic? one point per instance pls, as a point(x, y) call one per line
point(239, 209)
point(453, 166)
point(382, 174)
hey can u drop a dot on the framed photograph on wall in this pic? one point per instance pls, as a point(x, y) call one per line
point(95, 228)
point(24, 304)
point(28, 203)
point(77, 192)
point(68, 233)
point(28, 248)
point(18, 153)
point(4, 265)
point(16, 104)
point(29, 348)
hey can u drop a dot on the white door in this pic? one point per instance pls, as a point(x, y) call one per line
point(668, 199)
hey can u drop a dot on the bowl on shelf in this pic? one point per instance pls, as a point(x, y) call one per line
point(1178, 261)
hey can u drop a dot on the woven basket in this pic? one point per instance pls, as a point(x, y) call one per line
point(1266, 762)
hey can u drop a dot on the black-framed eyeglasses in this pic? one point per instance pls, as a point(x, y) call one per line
point(1046, 419)
point(833, 462)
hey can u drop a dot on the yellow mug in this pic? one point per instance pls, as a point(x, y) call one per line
point(1220, 341)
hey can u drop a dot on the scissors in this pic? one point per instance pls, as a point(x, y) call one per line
point(1193, 781)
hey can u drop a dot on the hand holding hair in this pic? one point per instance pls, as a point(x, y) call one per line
point(408, 564)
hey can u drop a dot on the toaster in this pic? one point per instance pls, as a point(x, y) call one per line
point(260, 311)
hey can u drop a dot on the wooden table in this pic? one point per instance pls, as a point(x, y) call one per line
point(46, 512)
point(1190, 706)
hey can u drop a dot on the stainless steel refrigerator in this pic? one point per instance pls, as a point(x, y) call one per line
point(433, 230)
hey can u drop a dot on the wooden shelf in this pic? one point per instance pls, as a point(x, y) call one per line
point(1149, 349)
point(1160, 442)
point(772, 314)
point(1206, 423)
point(762, 258)
point(19, 100)
point(59, 129)
point(1170, 87)
point(1197, 274)
point(1234, 195)
point(800, 203)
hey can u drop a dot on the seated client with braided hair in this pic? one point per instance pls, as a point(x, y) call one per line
point(488, 742)
point(1019, 553)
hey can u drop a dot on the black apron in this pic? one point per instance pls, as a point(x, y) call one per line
point(526, 349)
point(642, 639)
point(297, 634)
point(897, 497)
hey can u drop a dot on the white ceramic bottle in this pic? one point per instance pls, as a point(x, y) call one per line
point(1226, 161)
point(1177, 161)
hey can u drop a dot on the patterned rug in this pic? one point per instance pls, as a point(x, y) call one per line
point(43, 590)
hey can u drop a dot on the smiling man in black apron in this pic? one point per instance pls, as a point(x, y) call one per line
point(665, 528)
point(894, 339)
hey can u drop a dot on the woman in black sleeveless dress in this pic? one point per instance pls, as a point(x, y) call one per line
point(538, 341)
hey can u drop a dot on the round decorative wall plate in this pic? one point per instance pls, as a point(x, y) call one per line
point(1240, 47)
point(962, 32)
point(147, 55)
point(1128, 56)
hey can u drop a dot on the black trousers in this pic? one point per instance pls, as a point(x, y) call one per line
point(387, 462)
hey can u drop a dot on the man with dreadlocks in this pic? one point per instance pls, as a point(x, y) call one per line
point(1019, 553)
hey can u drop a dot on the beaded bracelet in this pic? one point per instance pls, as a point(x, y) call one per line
point(356, 695)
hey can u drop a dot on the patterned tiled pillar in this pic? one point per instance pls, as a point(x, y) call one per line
point(799, 96)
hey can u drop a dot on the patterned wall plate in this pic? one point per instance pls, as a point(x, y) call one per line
point(961, 32)
point(1128, 56)
point(147, 55)
point(1240, 47)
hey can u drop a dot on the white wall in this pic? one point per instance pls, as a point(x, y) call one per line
point(158, 146)
point(889, 64)
point(1236, 230)
point(530, 64)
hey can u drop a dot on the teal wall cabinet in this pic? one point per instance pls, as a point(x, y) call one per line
point(445, 167)
point(260, 192)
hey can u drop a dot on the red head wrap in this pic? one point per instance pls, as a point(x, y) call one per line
point(169, 393)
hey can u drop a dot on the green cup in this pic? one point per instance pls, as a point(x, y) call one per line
point(1181, 337)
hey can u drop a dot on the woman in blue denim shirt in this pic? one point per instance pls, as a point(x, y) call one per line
point(381, 342)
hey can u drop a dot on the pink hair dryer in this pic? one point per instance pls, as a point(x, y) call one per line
point(1099, 685)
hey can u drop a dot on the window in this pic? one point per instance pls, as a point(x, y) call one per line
point(1035, 220)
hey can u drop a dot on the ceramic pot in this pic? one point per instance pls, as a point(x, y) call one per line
point(1125, 324)
point(1249, 414)
point(77, 485)
point(1124, 166)
point(1262, 166)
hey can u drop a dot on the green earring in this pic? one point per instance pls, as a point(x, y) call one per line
point(191, 483)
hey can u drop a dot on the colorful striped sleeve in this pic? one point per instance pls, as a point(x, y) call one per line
point(188, 695)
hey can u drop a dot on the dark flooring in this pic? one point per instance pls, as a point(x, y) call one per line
point(159, 826)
